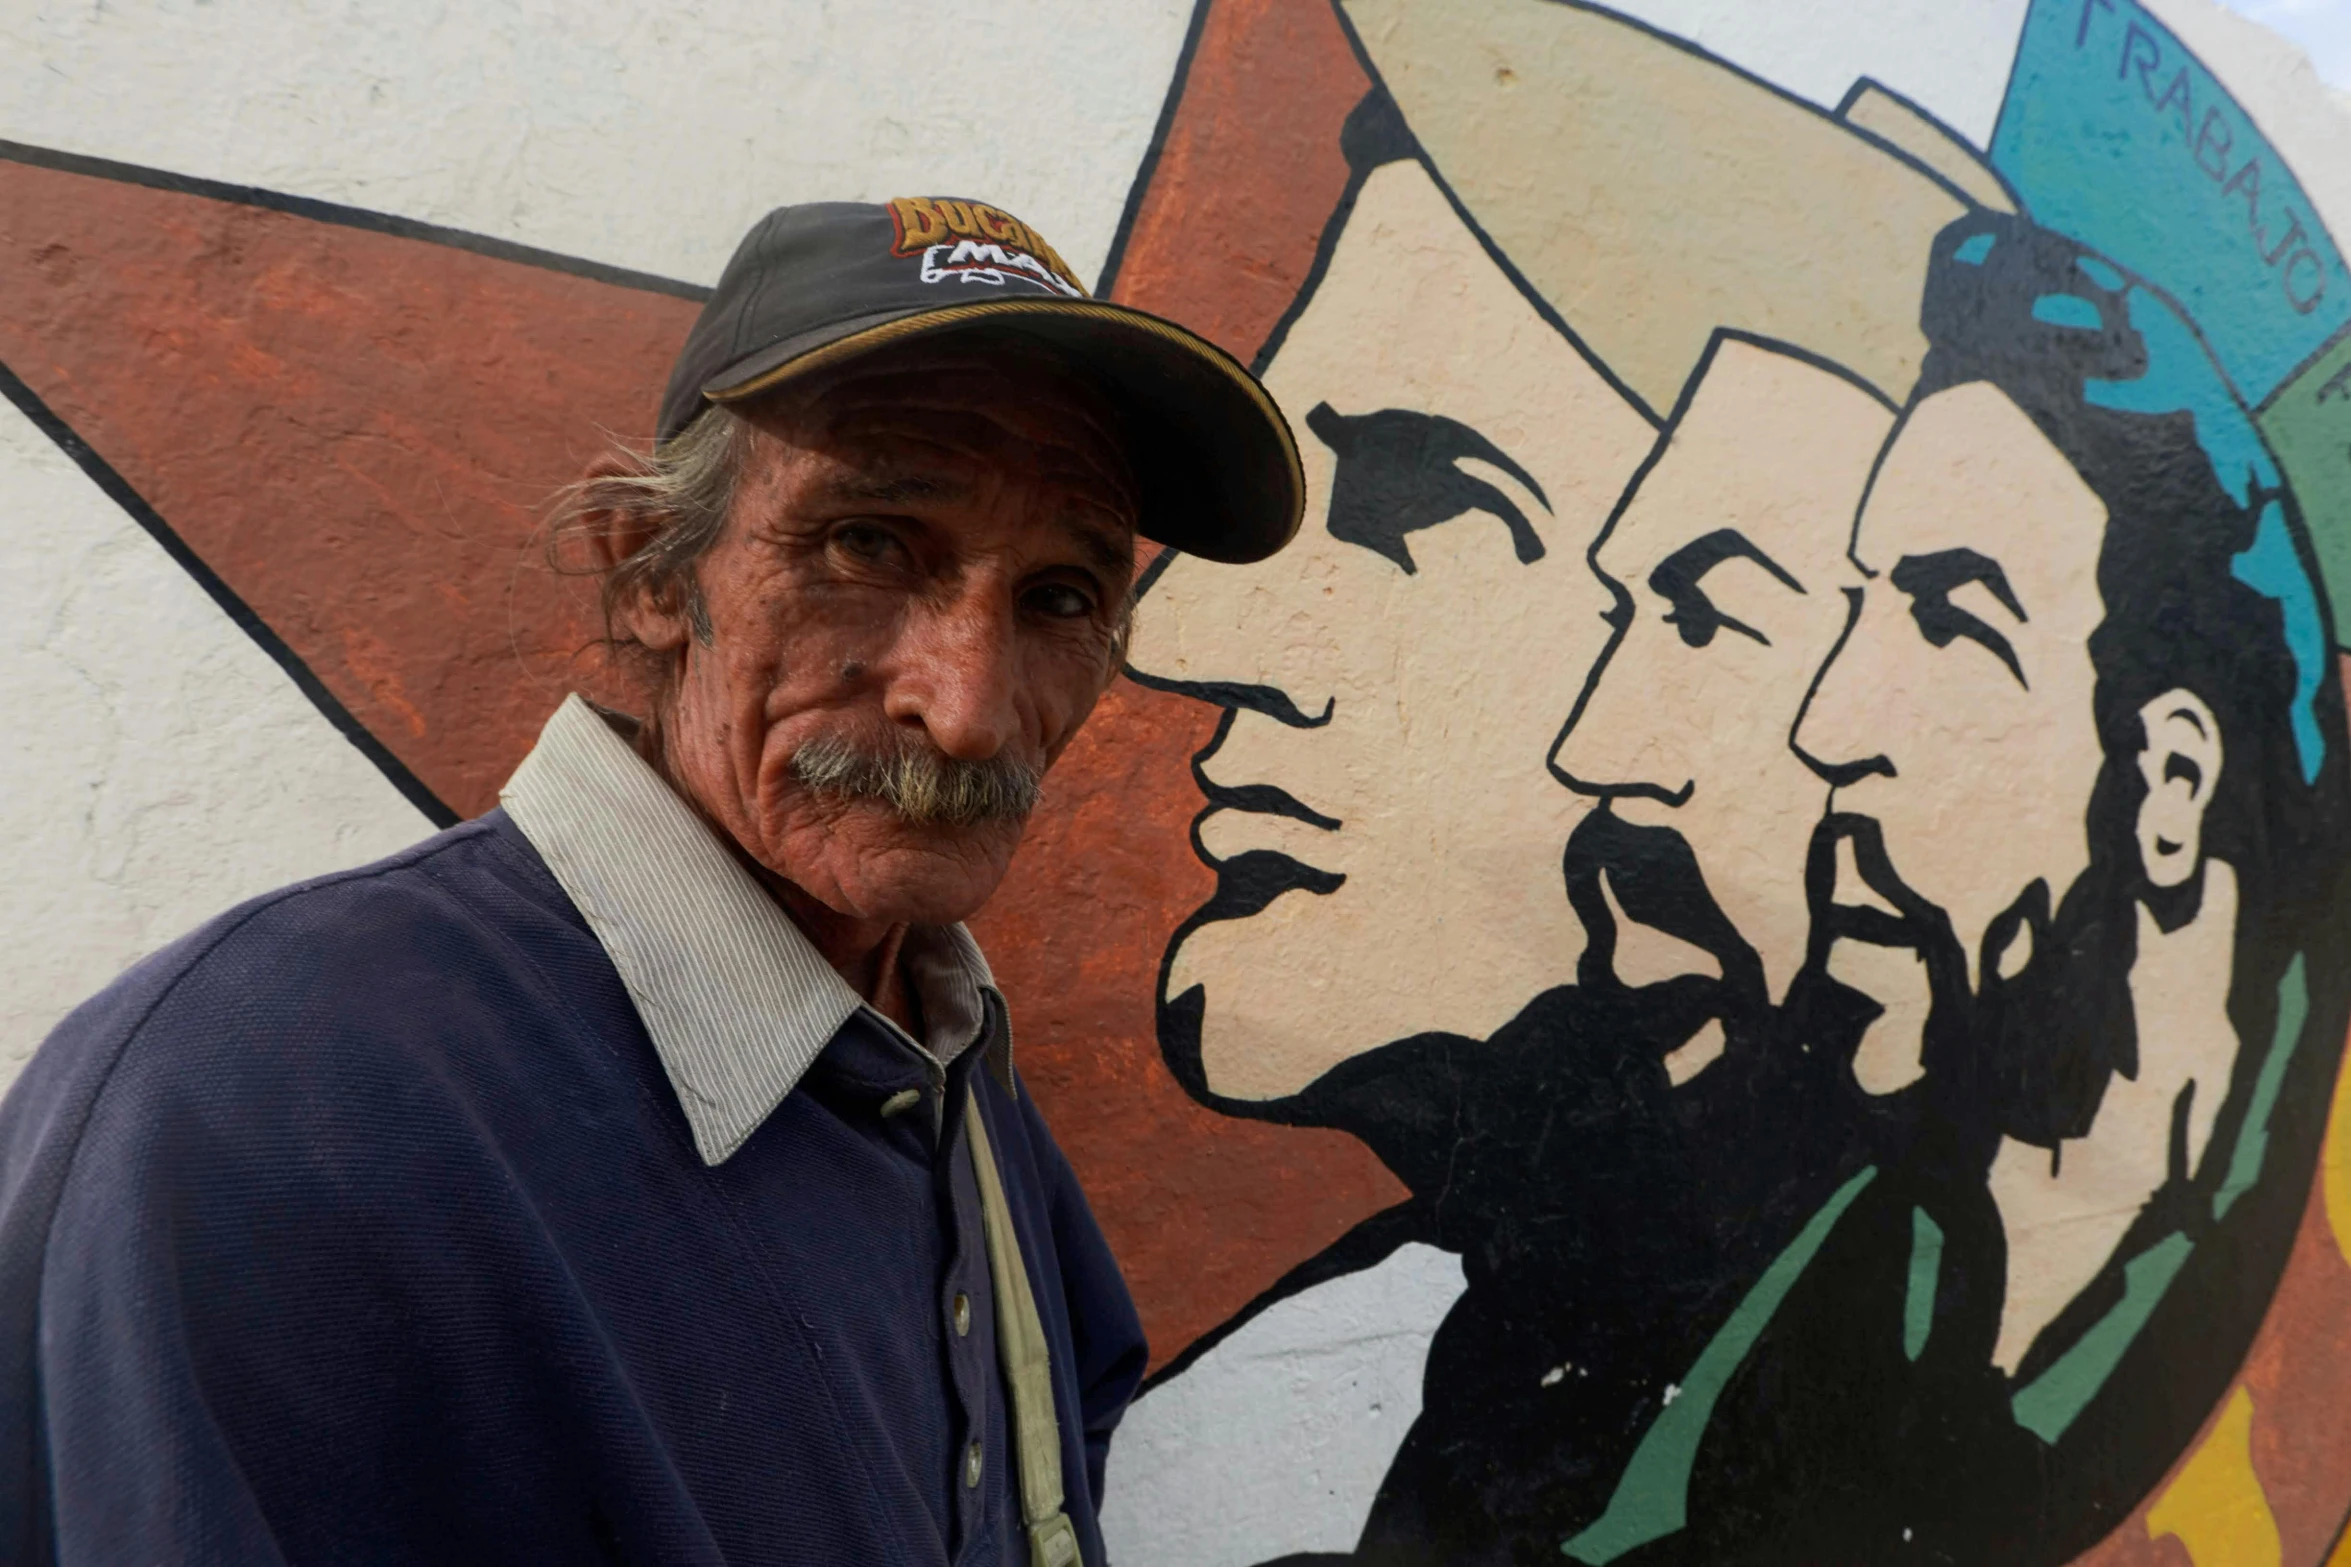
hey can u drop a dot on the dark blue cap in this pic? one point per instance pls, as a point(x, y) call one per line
point(816, 284)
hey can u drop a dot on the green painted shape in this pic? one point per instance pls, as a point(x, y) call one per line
point(1926, 1272)
point(1652, 1498)
point(2048, 1404)
point(2307, 423)
point(2253, 1142)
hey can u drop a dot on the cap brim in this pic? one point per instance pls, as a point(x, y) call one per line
point(1214, 458)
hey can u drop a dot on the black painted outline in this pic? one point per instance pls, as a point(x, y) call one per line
point(1862, 84)
point(1139, 189)
point(1620, 617)
point(2309, 362)
point(340, 216)
point(118, 489)
point(241, 614)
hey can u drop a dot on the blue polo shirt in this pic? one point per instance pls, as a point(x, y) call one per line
point(371, 1223)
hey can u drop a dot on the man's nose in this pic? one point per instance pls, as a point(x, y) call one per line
point(958, 676)
point(1833, 733)
point(1613, 741)
point(1201, 626)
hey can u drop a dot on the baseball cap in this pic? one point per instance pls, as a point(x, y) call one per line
point(816, 284)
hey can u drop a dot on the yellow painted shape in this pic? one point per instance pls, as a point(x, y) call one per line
point(2337, 1175)
point(2216, 1508)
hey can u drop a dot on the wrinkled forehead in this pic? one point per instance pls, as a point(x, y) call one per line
point(1767, 443)
point(1969, 468)
point(963, 413)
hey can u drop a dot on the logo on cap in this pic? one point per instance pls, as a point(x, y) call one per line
point(972, 242)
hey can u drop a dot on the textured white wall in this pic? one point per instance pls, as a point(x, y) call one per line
point(1343, 1363)
point(644, 135)
point(1950, 57)
point(161, 766)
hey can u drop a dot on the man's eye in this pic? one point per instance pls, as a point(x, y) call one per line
point(1942, 622)
point(1696, 618)
point(1933, 581)
point(1060, 601)
point(1690, 612)
point(869, 542)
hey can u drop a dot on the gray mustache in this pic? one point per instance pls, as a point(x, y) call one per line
point(918, 783)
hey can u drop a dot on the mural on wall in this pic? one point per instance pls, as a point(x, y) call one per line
point(1736, 956)
point(1920, 679)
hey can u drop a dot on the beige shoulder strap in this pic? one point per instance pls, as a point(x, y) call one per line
point(1028, 1364)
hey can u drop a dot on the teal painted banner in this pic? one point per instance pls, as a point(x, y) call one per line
point(2114, 134)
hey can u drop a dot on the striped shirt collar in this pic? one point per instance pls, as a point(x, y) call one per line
point(737, 1000)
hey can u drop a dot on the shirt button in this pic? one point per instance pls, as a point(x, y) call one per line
point(962, 1314)
point(971, 1466)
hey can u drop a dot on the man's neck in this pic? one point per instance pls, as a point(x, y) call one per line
point(2064, 1216)
point(866, 953)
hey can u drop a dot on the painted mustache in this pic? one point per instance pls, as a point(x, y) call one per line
point(917, 783)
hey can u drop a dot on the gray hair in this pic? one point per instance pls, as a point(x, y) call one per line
point(679, 494)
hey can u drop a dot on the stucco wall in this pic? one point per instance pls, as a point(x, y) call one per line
point(304, 309)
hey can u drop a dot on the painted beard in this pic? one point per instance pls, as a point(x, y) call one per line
point(2027, 1052)
point(1658, 882)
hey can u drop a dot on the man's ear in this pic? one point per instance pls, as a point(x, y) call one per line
point(610, 533)
point(2181, 764)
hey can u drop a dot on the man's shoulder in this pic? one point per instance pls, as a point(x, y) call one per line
point(430, 903)
point(395, 956)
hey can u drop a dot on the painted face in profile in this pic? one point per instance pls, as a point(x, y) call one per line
point(1385, 833)
point(1728, 564)
point(1957, 717)
point(1958, 710)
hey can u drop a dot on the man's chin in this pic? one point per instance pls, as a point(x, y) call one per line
point(1223, 1063)
point(884, 870)
point(1880, 908)
point(1654, 877)
point(1235, 1025)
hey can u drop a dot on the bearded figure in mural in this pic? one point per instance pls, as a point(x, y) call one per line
point(1838, 1205)
point(2086, 740)
point(1389, 705)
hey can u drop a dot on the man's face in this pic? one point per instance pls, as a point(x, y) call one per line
point(929, 550)
point(1731, 560)
point(1386, 836)
point(1959, 705)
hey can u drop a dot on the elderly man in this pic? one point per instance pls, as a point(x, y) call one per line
point(639, 1173)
